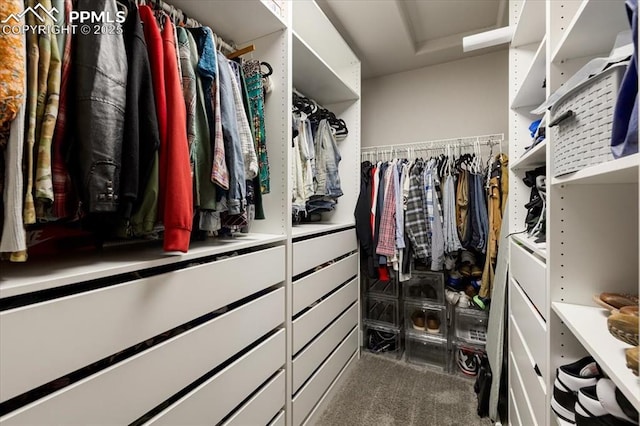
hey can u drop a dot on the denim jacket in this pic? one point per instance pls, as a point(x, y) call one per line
point(101, 93)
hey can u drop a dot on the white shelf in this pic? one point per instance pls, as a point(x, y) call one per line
point(531, 91)
point(589, 325)
point(243, 21)
point(531, 27)
point(622, 170)
point(535, 157)
point(604, 18)
point(314, 78)
point(36, 275)
point(309, 229)
point(540, 249)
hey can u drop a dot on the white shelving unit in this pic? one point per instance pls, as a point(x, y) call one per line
point(531, 13)
point(531, 92)
point(247, 314)
point(557, 294)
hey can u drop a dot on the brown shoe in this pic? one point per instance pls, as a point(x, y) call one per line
point(629, 310)
point(418, 320)
point(476, 272)
point(612, 301)
point(631, 356)
point(624, 327)
point(433, 324)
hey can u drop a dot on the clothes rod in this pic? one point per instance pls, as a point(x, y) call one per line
point(489, 140)
point(190, 22)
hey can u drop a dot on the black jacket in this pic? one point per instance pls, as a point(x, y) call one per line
point(363, 219)
point(141, 134)
point(101, 93)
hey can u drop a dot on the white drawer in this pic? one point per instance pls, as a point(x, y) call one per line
point(530, 273)
point(514, 416)
point(313, 355)
point(531, 325)
point(125, 391)
point(308, 254)
point(78, 330)
point(279, 420)
point(315, 388)
point(312, 287)
point(534, 387)
point(214, 399)
point(520, 395)
point(307, 326)
point(260, 409)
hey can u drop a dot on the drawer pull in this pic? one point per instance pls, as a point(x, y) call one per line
point(537, 370)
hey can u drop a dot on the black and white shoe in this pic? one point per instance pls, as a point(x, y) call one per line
point(604, 405)
point(468, 362)
point(569, 379)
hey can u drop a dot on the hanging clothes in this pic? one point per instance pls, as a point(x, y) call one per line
point(255, 89)
point(175, 171)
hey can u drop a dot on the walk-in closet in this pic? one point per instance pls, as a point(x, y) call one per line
point(319, 212)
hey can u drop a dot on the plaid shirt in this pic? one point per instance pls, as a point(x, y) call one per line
point(219, 170)
point(416, 221)
point(244, 130)
point(64, 197)
point(387, 229)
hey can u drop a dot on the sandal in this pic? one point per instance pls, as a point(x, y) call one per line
point(613, 301)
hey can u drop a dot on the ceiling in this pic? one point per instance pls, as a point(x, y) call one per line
point(391, 36)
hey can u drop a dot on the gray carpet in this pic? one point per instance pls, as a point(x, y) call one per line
point(383, 392)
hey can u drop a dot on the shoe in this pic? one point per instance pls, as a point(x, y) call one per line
point(628, 310)
point(465, 270)
point(428, 292)
point(417, 318)
point(466, 257)
point(468, 362)
point(631, 355)
point(433, 324)
point(624, 327)
point(476, 272)
point(569, 379)
point(604, 404)
point(613, 301)
point(470, 290)
point(451, 296)
point(464, 301)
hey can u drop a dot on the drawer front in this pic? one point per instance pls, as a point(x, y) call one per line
point(520, 395)
point(315, 388)
point(312, 287)
point(313, 321)
point(213, 400)
point(279, 420)
point(532, 326)
point(77, 330)
point(260, 409)
point(530, 273)
point(310, 253)
point(514, 415)
point(311, 357)
point(145, 380)
point(535, 388)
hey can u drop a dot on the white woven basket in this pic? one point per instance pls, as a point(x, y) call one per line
point(584, 115)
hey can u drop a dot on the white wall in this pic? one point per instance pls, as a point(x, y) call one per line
point(468, 97)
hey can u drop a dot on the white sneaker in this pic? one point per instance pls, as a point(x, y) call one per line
point(604, 404)
point(569, 379)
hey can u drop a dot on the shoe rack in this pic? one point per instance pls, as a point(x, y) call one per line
point(592, 215)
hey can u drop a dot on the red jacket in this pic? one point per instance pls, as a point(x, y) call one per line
point(176, 184)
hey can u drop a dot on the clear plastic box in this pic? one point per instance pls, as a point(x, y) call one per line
point(424, 286)
point(471, 325)
point(466, 359)
point(382, 310)
point(382, 340)
point(388, 288)
point(429, 351)
point(425, 318)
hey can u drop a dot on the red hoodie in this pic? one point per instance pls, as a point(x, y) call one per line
point(175, 170)
point(175, 199)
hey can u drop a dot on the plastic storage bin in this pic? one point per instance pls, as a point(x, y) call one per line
point(425, 318)
point(581, 122)
point(429, 351)
point(466, 359)
point(382, 340)
point(471, 325)
point(382, 310)
point(424, 286)
point(388, 288)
